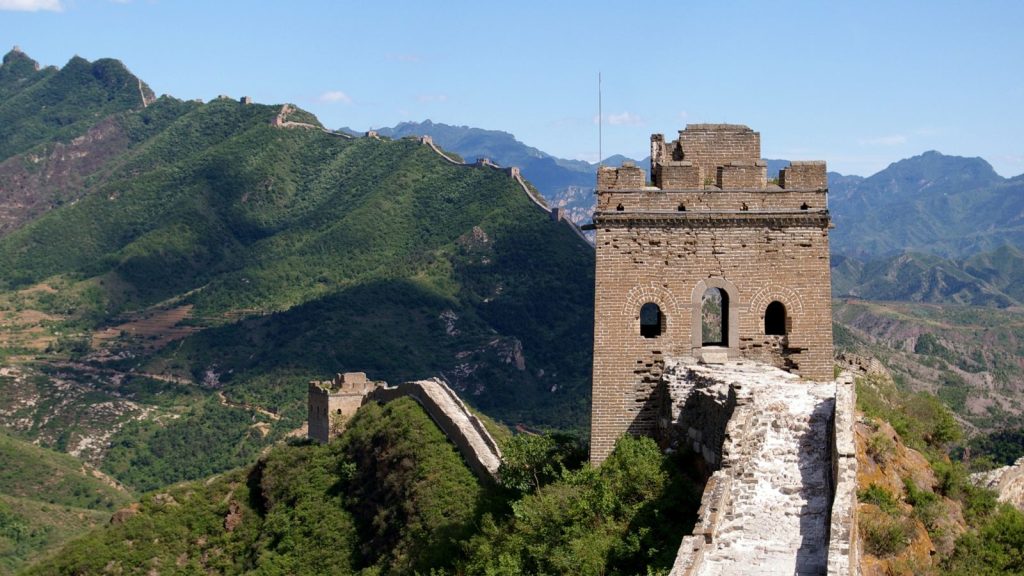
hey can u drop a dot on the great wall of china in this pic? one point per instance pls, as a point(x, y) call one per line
point(333, 402)
point(755, 397)
point(556, 214)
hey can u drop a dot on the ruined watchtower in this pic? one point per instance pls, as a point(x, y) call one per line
point(332, 402)
point(712, 262)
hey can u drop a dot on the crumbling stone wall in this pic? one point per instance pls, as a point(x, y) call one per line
point(699, 410)
point(757, 242)
point(334, 402)
point(452, 416)
point(843, 547)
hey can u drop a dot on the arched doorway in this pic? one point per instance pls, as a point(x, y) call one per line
point(714, 317)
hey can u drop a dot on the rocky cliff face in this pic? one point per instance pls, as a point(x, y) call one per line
point(896, 536)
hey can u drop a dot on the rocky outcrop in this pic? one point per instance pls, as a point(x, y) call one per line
point(40, 180)
point(886, 465)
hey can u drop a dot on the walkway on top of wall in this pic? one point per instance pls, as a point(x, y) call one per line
point(514, 173)
point(768, 509)
point(460, 425)
point(281, 121)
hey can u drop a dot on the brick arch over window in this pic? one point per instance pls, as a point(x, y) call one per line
point(652, 294)
point(776, 293)
point(732, 321)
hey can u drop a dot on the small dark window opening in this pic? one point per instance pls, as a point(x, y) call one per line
point(714, 317)
point(652, 321)
point(339, 411)
point(681, 208)
point(775, 319)
point(619, 208)
point(804, 206)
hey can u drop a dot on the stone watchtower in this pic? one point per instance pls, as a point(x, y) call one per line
point(333, 402)
point(712, 262)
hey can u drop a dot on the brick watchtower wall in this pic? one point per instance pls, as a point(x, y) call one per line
point(711, 220)
point(331, 403)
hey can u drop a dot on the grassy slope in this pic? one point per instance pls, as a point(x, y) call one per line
point(31, 530)
point(34, 472)
point(46, 498)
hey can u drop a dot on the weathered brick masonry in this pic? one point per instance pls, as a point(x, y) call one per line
point(710, 220)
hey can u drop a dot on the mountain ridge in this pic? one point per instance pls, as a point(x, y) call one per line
point(270, 255)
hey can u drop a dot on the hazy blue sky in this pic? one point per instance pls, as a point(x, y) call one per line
point(859, 84)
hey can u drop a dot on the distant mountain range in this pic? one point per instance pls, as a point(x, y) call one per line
point(949, 206)
point(904, 233)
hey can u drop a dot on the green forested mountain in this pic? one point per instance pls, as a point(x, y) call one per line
point(272, 256)
point(991, 278)
point(42, 105)
point(948, 206)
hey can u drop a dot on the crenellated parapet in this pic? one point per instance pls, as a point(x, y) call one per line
point(709, 157)
point(717, 169)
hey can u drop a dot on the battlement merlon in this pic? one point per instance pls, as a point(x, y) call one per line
point(713, 157)
point(347, 384)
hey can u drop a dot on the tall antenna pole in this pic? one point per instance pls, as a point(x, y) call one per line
point(600, 124)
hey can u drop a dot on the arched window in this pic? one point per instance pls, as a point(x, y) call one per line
point(714, 316)
point(775, 319)
point(652, 321)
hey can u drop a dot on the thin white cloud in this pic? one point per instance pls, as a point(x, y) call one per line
point(621, 119)
point(335, 96)
point(428, 98)
point(891, 140)
point(574, 122)
point(31, 5)
point(625, 119)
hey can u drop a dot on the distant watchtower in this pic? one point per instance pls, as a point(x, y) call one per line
point(713, 261)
